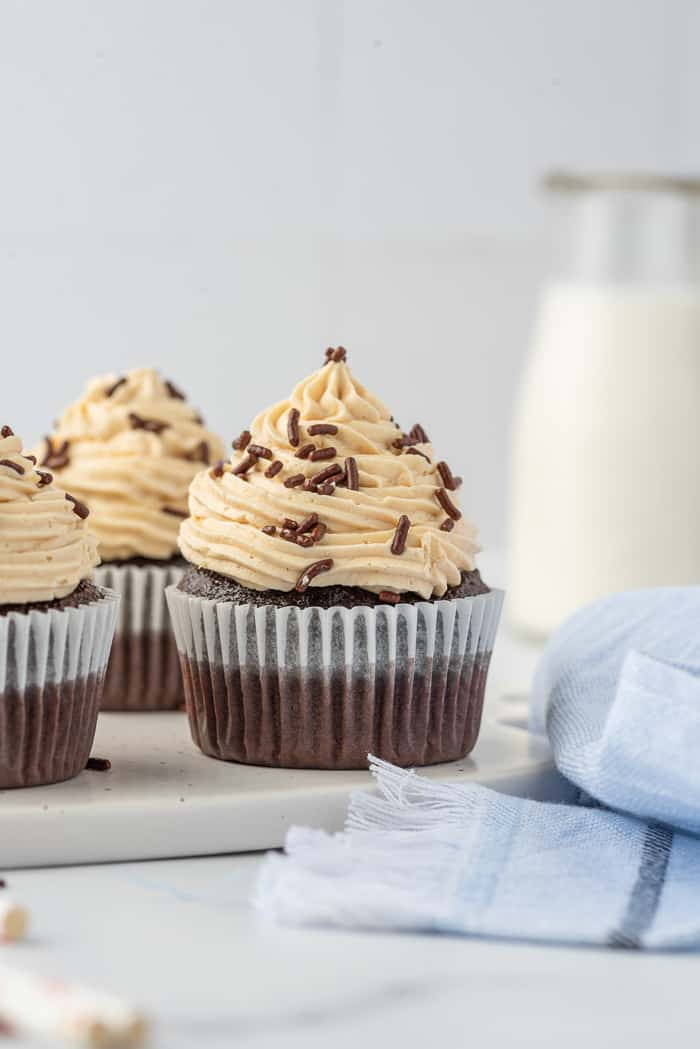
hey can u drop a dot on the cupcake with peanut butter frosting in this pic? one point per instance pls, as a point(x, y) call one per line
point(333, 606)
point(129, 448)
point(56, 625)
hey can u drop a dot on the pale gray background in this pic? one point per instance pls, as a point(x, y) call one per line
point(221, 188)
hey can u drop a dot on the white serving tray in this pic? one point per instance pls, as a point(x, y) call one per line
point(163, 798)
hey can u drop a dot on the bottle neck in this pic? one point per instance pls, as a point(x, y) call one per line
point(626, 238)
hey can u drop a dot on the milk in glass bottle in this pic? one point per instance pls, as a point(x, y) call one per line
point(605, 485)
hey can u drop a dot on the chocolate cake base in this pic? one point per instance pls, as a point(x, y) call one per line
point(297, 719)
point(201, 582)
point(143, 673)
point(46, 732)
point(84, 594)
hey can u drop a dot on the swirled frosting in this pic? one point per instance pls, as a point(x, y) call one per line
point(45, 547)
point(234, 510)
point(129, 448)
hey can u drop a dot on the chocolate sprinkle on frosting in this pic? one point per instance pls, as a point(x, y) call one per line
point(269, 530)
point(173, 512)
point(173, 390)
point(245, 464)
point(260, 450)
point(273, 469)
point(307, 524)
point(242, 441)
point(293, 427)
point(111, 390)
point(44, 479)
point(294, 481)
point(311, 572)
point(305, 451)
point(339, 354)
point(447, 525)
point(55, 458)
point(325, 489)
point(31, 459)
point(327, 474)
point(404, 442)
point(417, 451)
point(12, 465)
point(323, 453)
point(80, 509)
point(319, 531)
point(446, 476)
point(351, 474)
point(400, 535)
point(7, 431)
point(447, 504)
point(289, 523)
point(218, 469)
point(418, 432)
point(150, 425)
point(316, 429)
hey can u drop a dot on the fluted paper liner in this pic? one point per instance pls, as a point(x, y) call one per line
point(322, 688)
point(144, 670)
point(52, 668)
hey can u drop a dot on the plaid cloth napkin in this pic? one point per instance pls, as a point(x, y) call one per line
point(618, 693)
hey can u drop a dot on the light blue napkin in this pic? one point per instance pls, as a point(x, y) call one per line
point(618, 693)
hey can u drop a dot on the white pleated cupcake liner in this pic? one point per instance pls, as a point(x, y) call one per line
point(313, 687)
point(52, 668)
point(144, 672)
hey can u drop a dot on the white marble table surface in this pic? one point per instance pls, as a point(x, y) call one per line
point(180, 937)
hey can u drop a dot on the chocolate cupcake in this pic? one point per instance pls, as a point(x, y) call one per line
point(333, 607)
point(56, 626)
point(129, 449)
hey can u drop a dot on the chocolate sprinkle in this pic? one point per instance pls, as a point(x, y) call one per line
point(351, 473)
point(55, 458)
point(327, 474)
point(273, 469)
point(311, 572)
point(416, 451)
point(447, 525)
point(446, 476)
point(447, 504)
point(319, 531)
point(307, 524)
point(7, 431)
point(288, 534)
point(290, 523)
point(199, 454)
point(293, 427)
point(389, 597)
point(325, 489)
point(316, 429)
point(269, 530)
point(150, 425)
point(303, 540)
point(322, 453)
point(309, 486)
point(98, 764)
point(245, 464)
point(339, 354)
point(305, 451)
point(44, 479)
point(400, 535)
point(78, 508)
point(419, 432)
point(173, 512)
point(173, 390)
point(329, 354)
point(31, 459)
point(404, 442)
point(242, 441)
point(294, 481)
point(111, 390)
point(12, 466)
point(260, 450)
point(218, 469)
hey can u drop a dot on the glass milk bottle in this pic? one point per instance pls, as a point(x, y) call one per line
point(605, 485)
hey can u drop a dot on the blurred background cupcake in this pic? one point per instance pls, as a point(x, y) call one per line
point(333, 607)
point(129, 449)
point(56, 626)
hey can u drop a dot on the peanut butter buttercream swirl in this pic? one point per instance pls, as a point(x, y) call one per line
point(324, 489)
point(129, 448)
point(45, 547)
